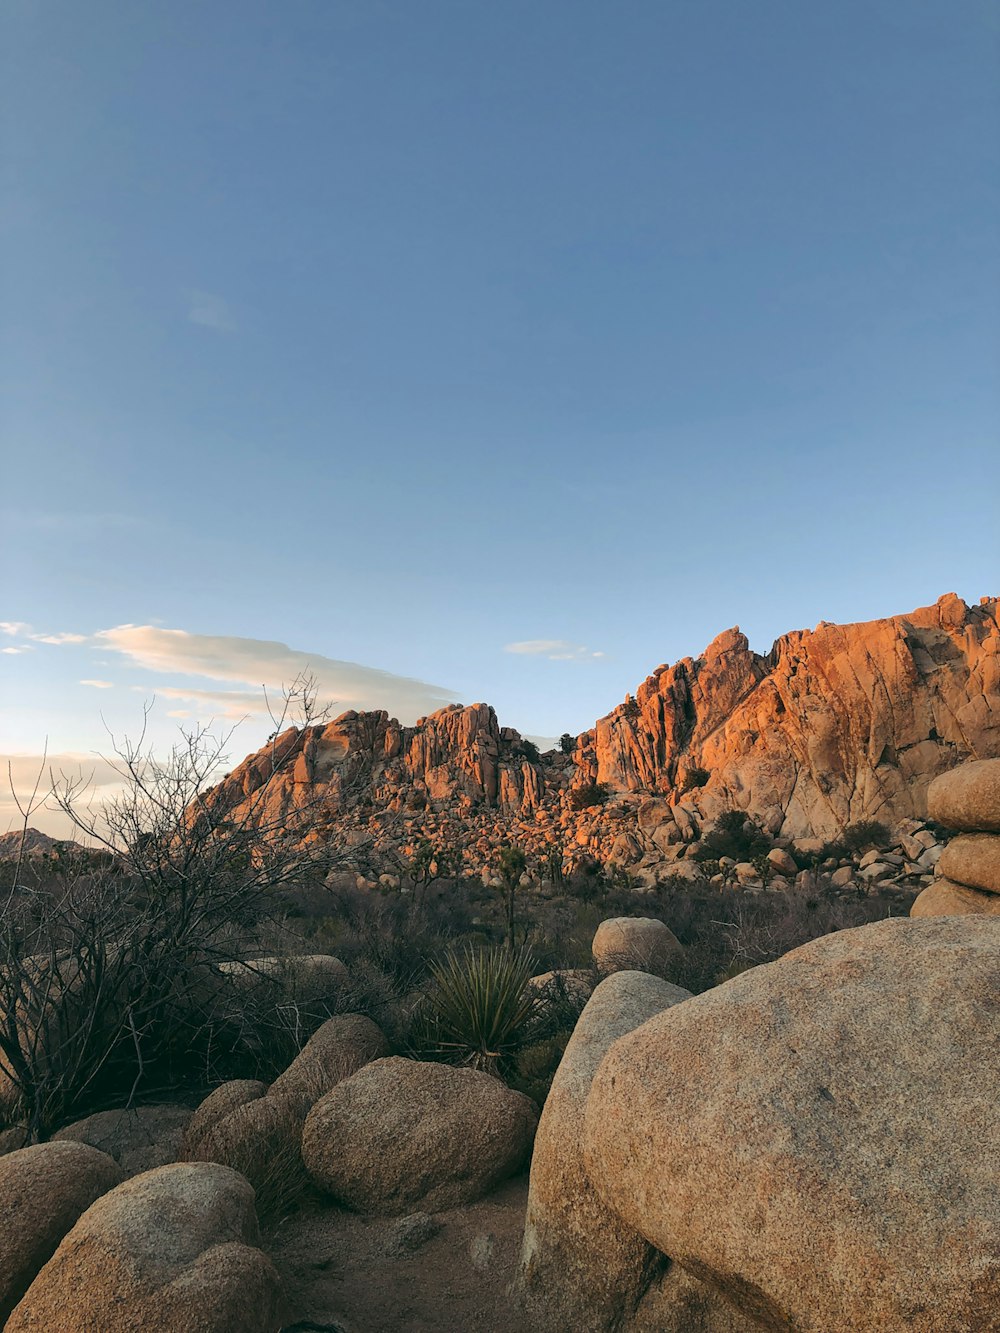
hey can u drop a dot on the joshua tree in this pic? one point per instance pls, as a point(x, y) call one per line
point(512, 866)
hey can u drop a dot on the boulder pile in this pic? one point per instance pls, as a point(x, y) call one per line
point(43, 1191)
point(966, 799)
point(253, 1128)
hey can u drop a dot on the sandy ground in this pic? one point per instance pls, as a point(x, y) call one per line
point(350, 1274)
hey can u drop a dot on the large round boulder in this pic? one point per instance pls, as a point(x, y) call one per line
point(973, 859)
point(405, 1132)
point(582, 1267)
point(637, 944)
point(316, 972)
point(174, 1249)
point(943, 897)
point(817, 1138)
point(339, 1048)
point(967, 797)
point(257, 1139)
point(137, 1137)
point(220, 1102)
point(43, 1190)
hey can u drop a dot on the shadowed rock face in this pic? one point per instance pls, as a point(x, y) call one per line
point(836, 724)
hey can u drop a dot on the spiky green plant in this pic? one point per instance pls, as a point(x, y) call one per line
point(478, 1010)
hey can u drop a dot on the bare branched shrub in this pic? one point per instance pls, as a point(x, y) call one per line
point(108, 987)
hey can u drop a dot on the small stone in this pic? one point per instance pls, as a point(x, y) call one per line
point(782, 861)
point(409, 1234)
point(481, 1252)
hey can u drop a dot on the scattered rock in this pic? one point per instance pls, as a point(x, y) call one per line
point(481, 1252)
point(815, 1138)
point(404, 1132)
point(138, 1138)
point(968, 797)
point(315, 972)
point(43, 1190)
point(173, 1250)
point(582, 1268)
point(782, 861)
point(410, 1233)
point(575, 983)
point(637, 944)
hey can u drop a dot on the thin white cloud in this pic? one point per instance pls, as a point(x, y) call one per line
point(233, 705)
point(245, 665)
point(99, 684)
point(210, 311)
point(556, 650)
point(15, 652)
point(20, 629)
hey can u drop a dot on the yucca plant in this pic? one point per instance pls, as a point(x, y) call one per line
point(478, 1010)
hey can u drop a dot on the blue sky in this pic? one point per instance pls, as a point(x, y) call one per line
point(394, 334)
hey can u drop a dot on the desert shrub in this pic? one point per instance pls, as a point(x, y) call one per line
point(107, 983)
point(267, 1151)
point(694, 778)
point(590, 794)
point(526, 749)
point(864, 835)
point(724, 933)
point(477, 1009)
point(734, 834)
point(567, 743)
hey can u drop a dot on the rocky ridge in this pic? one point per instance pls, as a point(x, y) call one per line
point(836, 725)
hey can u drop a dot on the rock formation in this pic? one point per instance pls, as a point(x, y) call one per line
point(967, 798)
point(834, 725)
